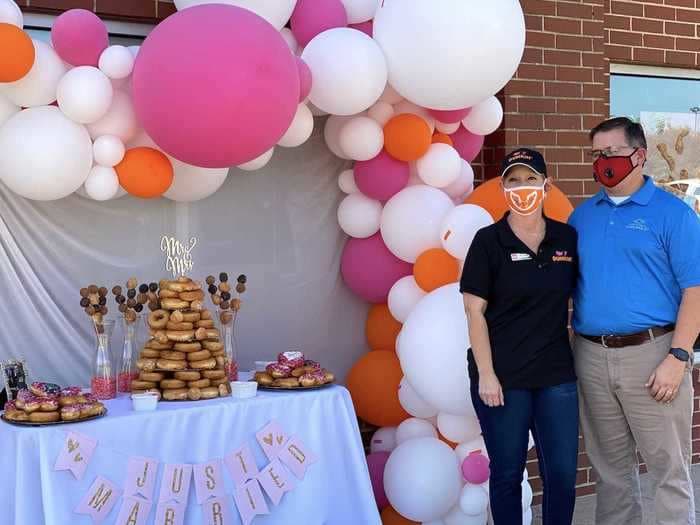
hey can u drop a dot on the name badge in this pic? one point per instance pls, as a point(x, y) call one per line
point(517, 257)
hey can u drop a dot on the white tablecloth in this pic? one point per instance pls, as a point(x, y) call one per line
point(336, 489)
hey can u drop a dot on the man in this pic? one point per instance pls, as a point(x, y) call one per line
point(636, 317)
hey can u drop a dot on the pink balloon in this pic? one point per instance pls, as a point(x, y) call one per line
point(376, 463)
point(467, 144)
point(381, 177)
point(304, 79)
point(475, 468)
point(312, 17)
point(449, 116)
point(366, 27)
point(79, 37)
point(215, 85)
point(369, 269)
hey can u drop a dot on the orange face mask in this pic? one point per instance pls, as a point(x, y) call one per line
point(525, 200)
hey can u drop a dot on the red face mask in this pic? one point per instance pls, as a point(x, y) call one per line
point(611, 171)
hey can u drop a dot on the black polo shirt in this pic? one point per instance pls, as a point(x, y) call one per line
point(528, 302)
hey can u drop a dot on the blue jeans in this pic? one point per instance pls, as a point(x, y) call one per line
point(552, 415)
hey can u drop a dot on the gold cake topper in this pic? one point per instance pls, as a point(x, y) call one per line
point(178, 256)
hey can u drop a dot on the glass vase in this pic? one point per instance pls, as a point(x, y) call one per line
point(228, 325)
point(104, 382)
point(127, 365)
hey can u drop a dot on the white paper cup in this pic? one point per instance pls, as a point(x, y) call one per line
point(244, 389)
point(144, 402)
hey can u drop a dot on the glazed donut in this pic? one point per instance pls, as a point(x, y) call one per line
point(44, 417)
point(179, 394)
point(200, 334)
point(220, 361)
point(158, 319)
point(217, 382)
point(49, 404)
point(263, 378)
point(90, 409)
point(287, 382)
point(212, 333)
point(183, 279)
point(190, 317)
point(198, 356)
point(200, 383)
point(173, 354)
point(224, 390)
point(292, 359)
point(170, 365)
point(210, 392)
point(298, 372)
point(138, 384)
point(208, 323)
point(180, 336)
point(197, 305)
point(167, 294)
point(177, 316)
point(188, 347)
point(149, 352)
point(155, 345)
point(195, 295)
point(173, 304)
point(44, 389)
point(70, 413)
point(213, 374)
point(32, 405)
point(175, 286)
point(328, 377)
point(188, 375)
point(147, 365)
point(206, 315)
point(194, 393)
point(16, 415)
point(171, 384)
point(153, 377)
point(278, 371)
point(217, 353)
point(205, 364)
point(213, 345)
point(160, 336)
point(179, 326)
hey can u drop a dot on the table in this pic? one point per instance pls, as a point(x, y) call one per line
point(336, 489)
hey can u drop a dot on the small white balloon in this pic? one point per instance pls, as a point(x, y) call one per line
point(362, 138)
point(360, 10)
point(527, 517)
point(346, 182)
point(403, 297)
point(193, 183)
point(414, 428)
point(381, 112)
point(10, 13)
point(331, 133)
point(446, 128)
point(290, 39)
point(473, 501)
point(475, 445)
point(530, 441)
point(413, 403)
point(108, 150)
point(406, 106)
point(300, 129)
point(383, 440)
point(7, 109)
point(277, 12)
point(102, 184)
point(359, 216)
point(457, 517)
point(84, 94)
point(259, 162)
point(460, 226)
point(390, 95)
point(464, 182)
point(459, 428)
point(527, 495)
point(116, 62)
point(120, 119)
point(440, 166)
point(485, 117)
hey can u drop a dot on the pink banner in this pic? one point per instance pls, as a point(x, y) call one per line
point(170, 513)
point(271, 438)
point(141, 477)
point(134, 511)
point(175, 485)
point(99, 500)
point(76, 454)
point(241, 465)
point(250, 501)
point(208, 480)
point(217, 512)
point(297, 457)
point(275, 480)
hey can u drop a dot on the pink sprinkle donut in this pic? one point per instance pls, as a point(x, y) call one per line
point(71, 391)
point(291, 359)
point(44, 389)
point(10, 405)
point(278, 370)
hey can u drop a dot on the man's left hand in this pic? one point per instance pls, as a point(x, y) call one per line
point(665, 381)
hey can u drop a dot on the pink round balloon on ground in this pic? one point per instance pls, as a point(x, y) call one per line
point(78, 36)
point(304, 79)
point(369, 269)
point(467, 144)
point(381, 177)
point(215, 85)
point(376, 463)
point(366, 27)
point(449, 116)
point(475, 468)
point(312, 17)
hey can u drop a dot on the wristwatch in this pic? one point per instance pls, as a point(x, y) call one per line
point(680, 354)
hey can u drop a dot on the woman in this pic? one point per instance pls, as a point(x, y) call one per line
point(517, 280)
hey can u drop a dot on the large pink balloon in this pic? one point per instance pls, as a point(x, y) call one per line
point(369, 269)
point(475, 468)
point(381, 177)
point(376, 463)
point(449, 116)
point(304, 79)
point(467, 144)
point(312, 17)
point(79, 37)
point(215, 85)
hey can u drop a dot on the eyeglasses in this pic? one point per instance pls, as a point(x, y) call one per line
point(612, 151)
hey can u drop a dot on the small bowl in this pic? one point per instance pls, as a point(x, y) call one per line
point(244, 389)
point(144, 402)
point(261, 366)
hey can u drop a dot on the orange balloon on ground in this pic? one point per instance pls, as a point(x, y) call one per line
point(391, 517)
point(489, 196)
point(442, 138)
point(407, 137)
point(381, 328)
point(16, 53)
point(435, 268)
point(145, 172)
point(373, 382)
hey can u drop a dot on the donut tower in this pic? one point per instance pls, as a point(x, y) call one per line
point(183, 358)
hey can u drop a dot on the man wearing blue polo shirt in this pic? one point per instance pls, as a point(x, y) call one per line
point(636, 317)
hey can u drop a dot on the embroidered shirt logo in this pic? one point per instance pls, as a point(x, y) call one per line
point(562, 256)
point(638, 224)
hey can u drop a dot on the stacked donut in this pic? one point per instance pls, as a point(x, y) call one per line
point(48, 403)
point(184, 356)
point(293, 371)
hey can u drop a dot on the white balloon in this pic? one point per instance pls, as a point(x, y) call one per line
point(459, 428)
point(359, 216)
point(414, 428)
point(102, 183)
point(82, 193)
point(447, 128)
point(464, 182)
point(381, 112)
point(10, 13)
point(120, 119)
point(403, 297)
point(300, 129)
point(259, 162)
point(108, 150)
point(331, 133)
point(383, 440)
point(406, 106)
point(362, 138)
point(527, 495)
point(530, 441)
point(440, 166)
point(290, 39)
point(422, 480)
point(277, 12)
point(192, 183)
point(412, 402)
point(38, 87)
point(348, 69)
point(360, 10)
point(84, 94)
point(346, 182)
point(473, 501)
point(527, 517)
point(134, 50)
point(460, 226)
point(464, 449)
point(450, 54)
point(116, 62)
point(7, 108)
point(457, 517)
point(411, 221)
point(485, 117)
point(432, 351)
point(43, 154)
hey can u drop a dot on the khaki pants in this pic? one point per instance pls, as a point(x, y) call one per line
point(619, 417)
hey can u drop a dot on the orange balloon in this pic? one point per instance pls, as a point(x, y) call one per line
point(435, 268)
point(16, 53)
point(391, 517)
point(442, 138)
point(407, 137)
point(145, 172)
point(373, 382)
point(489, 196)
point(381, 328)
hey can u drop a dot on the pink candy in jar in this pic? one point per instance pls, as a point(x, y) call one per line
point(104, 388)
point(232, 370)
point(124, 380)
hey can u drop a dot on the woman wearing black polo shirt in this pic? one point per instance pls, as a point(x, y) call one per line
point(517, 280)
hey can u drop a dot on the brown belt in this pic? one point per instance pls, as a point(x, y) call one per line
point(619, 341)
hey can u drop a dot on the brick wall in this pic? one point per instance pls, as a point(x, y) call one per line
point(148, 11)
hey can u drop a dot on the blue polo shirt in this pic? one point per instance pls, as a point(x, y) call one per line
point(635, 260)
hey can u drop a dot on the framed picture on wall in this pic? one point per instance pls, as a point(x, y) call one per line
point(14, 376)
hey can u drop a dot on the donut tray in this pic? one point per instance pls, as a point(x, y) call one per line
point(50, 423)
point(190, 400)
point(292, 389)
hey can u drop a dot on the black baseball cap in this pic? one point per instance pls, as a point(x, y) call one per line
point(525, 157)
